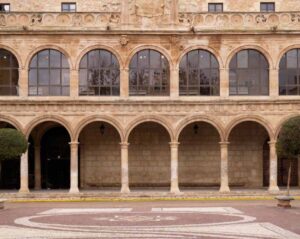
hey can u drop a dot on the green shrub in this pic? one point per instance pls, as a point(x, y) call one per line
point(12, 143)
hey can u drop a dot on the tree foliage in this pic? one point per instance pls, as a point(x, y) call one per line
point(12, 143)
point(288, 143)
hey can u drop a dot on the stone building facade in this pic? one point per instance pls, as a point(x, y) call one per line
point(163, 133)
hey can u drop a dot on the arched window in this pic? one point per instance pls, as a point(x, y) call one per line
point(9, 73)
point(49, 74)
point(289, 73)
point(99, 74)
point(199, 74)
point(149, 74)
point(249, 73)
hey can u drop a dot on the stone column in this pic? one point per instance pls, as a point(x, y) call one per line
point(224, 82)
point(273, 167)
point(174, 167)
point(74, 168)
point(124, 168)
point(23, 83)
point(174, 83)
point(224, 167)
point(124, 83)
point(24, 173)
point(37, 167)
point(274, 82)
point(74, 83)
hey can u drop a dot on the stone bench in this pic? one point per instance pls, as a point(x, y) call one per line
point(2, 201)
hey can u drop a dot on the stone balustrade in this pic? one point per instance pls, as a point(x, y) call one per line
point(237, 21)
point(183, 21)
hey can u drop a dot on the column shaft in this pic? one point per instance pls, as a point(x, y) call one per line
point(174, 167)
point(74, 168)
point(24, 173)
point(174, 83)
point(224, 82)
point(124, 168)
point(37, 167)
point(224, 167)
point(124, 83)
point(273, 167)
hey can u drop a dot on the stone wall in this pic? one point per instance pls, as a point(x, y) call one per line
point(55, 5)
point(149, 156)
point(115, 5)
point(100, 160)
point(199, 156)
point(245, 157)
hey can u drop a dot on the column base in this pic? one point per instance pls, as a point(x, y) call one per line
point(175, 190)
point(74, 190)
point(24, 190)
point(273, 188)
point(224, 189)
point(125, 189)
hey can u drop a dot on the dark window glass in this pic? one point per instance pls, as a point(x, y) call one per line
point(68, 7)
point(49, 74)
point(289, 73)
point(149, 74)
point(99, 74)
point(199, 74)
point(249, 74)
point(215, 7)
point(9, 73)
point(4, 7)
point(267, 7)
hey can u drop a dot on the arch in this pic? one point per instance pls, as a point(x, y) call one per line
point(200, 47)
point(282, 122)
point(151, 118)
point(45, 47)
point(283, 51)
point(264, 52)
point(161, 50)
point(98, 47)
point(16, 54)
point(254, 118)
point(10, 120)
point(45, 118)
point(95, 118)
point(200, 118)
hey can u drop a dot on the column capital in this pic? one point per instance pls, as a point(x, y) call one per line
point(272, 142)
point(73, 143)
point(224, 143)
point(174, 144)
point(124, 144)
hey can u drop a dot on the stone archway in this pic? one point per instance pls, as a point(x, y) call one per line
point(149, 156)
point(49, 157)
point(99, 156)
point(199, 156)
point(246, 148)
point(9, 169)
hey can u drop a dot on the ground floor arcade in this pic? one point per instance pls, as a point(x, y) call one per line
point(149, 156)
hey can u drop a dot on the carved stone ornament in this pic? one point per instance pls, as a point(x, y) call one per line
point(146, 8)
point(2, 21)
point(36, 19)
point(124, 40)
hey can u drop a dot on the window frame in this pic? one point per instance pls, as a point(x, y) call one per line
point(148, 89)
point(286, 72)
point(11, 68)
point(101, 87)
point(268, 4)
point(259, 71)
point(188, 89)
point(48, 68)
point(3, 5)
point(68, 4)
point(215, 5)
